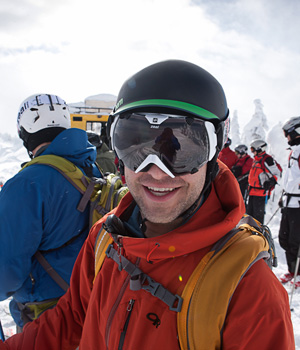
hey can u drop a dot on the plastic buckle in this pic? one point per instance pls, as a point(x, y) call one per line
point(179, 304)
point(107, 252)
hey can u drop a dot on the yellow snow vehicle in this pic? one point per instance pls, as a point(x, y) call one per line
point(90, 118)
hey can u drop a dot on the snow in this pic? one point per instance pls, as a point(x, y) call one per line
point(13, 154)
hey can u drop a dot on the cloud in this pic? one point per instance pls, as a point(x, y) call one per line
point(272, 23)
point(29, 49)
point(19, 15)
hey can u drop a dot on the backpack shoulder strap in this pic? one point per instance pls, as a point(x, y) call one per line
point(69, 170)
point(102, 242)
point(76, 177)
point(208, 291)
point(262, 161)
point(72, 173)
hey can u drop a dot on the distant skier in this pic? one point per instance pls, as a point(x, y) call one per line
point(262, 179)
point(289, 237)
point(242, 167)
point(105, 157)
point(227, 156)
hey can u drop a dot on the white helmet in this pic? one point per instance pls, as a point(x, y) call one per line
point(292, 127)
point(258, 145)
point(41, 118)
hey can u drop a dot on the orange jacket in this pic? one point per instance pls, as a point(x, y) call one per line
point(107, 313)
point(256, 188)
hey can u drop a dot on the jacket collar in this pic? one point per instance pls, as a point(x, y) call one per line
point(220, 213)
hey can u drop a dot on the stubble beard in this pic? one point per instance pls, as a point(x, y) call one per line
point(161, 213)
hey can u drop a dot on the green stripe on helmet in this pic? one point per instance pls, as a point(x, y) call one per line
point(187, 107)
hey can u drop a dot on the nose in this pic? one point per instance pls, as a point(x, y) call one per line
point(157, 173)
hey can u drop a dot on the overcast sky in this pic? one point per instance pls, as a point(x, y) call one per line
point(76, 49)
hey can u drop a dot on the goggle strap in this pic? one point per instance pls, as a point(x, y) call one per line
point(212, 137)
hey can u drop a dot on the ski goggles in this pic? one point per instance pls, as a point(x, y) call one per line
point(176, 144)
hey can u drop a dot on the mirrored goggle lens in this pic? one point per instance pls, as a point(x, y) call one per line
point(181, 143)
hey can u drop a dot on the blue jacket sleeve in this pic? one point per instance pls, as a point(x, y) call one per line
point(21, 211)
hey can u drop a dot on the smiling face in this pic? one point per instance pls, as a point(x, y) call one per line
point(161, 198)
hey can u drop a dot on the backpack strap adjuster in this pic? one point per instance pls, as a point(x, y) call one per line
point(139, 280)
point(157, 290)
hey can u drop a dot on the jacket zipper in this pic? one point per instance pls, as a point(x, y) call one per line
point(123, 334)
point(121, 293)
point(114, 309)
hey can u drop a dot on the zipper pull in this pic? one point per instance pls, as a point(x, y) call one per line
point(130, 305)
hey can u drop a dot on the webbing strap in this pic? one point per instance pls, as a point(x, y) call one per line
point(289, 196)
point(110, 193)
point(51, 272)
point(139, 278)
point(86, 196)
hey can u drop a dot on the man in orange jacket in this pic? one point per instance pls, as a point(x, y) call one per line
point(176, 211)
point(262, 179)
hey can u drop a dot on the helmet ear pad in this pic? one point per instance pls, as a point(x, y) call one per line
point(31, 141)
point(111, 119)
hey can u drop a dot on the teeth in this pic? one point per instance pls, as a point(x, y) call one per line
point(161, 189)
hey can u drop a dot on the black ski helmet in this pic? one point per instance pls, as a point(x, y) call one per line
point(176, 87)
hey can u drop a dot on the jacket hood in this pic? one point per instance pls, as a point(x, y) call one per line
point(73, 145)
point(260, 155)
point(220, 213)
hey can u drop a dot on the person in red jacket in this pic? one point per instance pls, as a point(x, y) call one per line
point(227, 156)
point(262, 179)
point(175, 212)
point(242, 167)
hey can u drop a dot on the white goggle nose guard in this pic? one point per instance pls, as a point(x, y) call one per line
point(153, 159)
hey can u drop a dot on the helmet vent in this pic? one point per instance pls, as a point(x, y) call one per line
point(36, 118)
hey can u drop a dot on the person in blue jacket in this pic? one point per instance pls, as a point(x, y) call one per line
point(38, 209)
